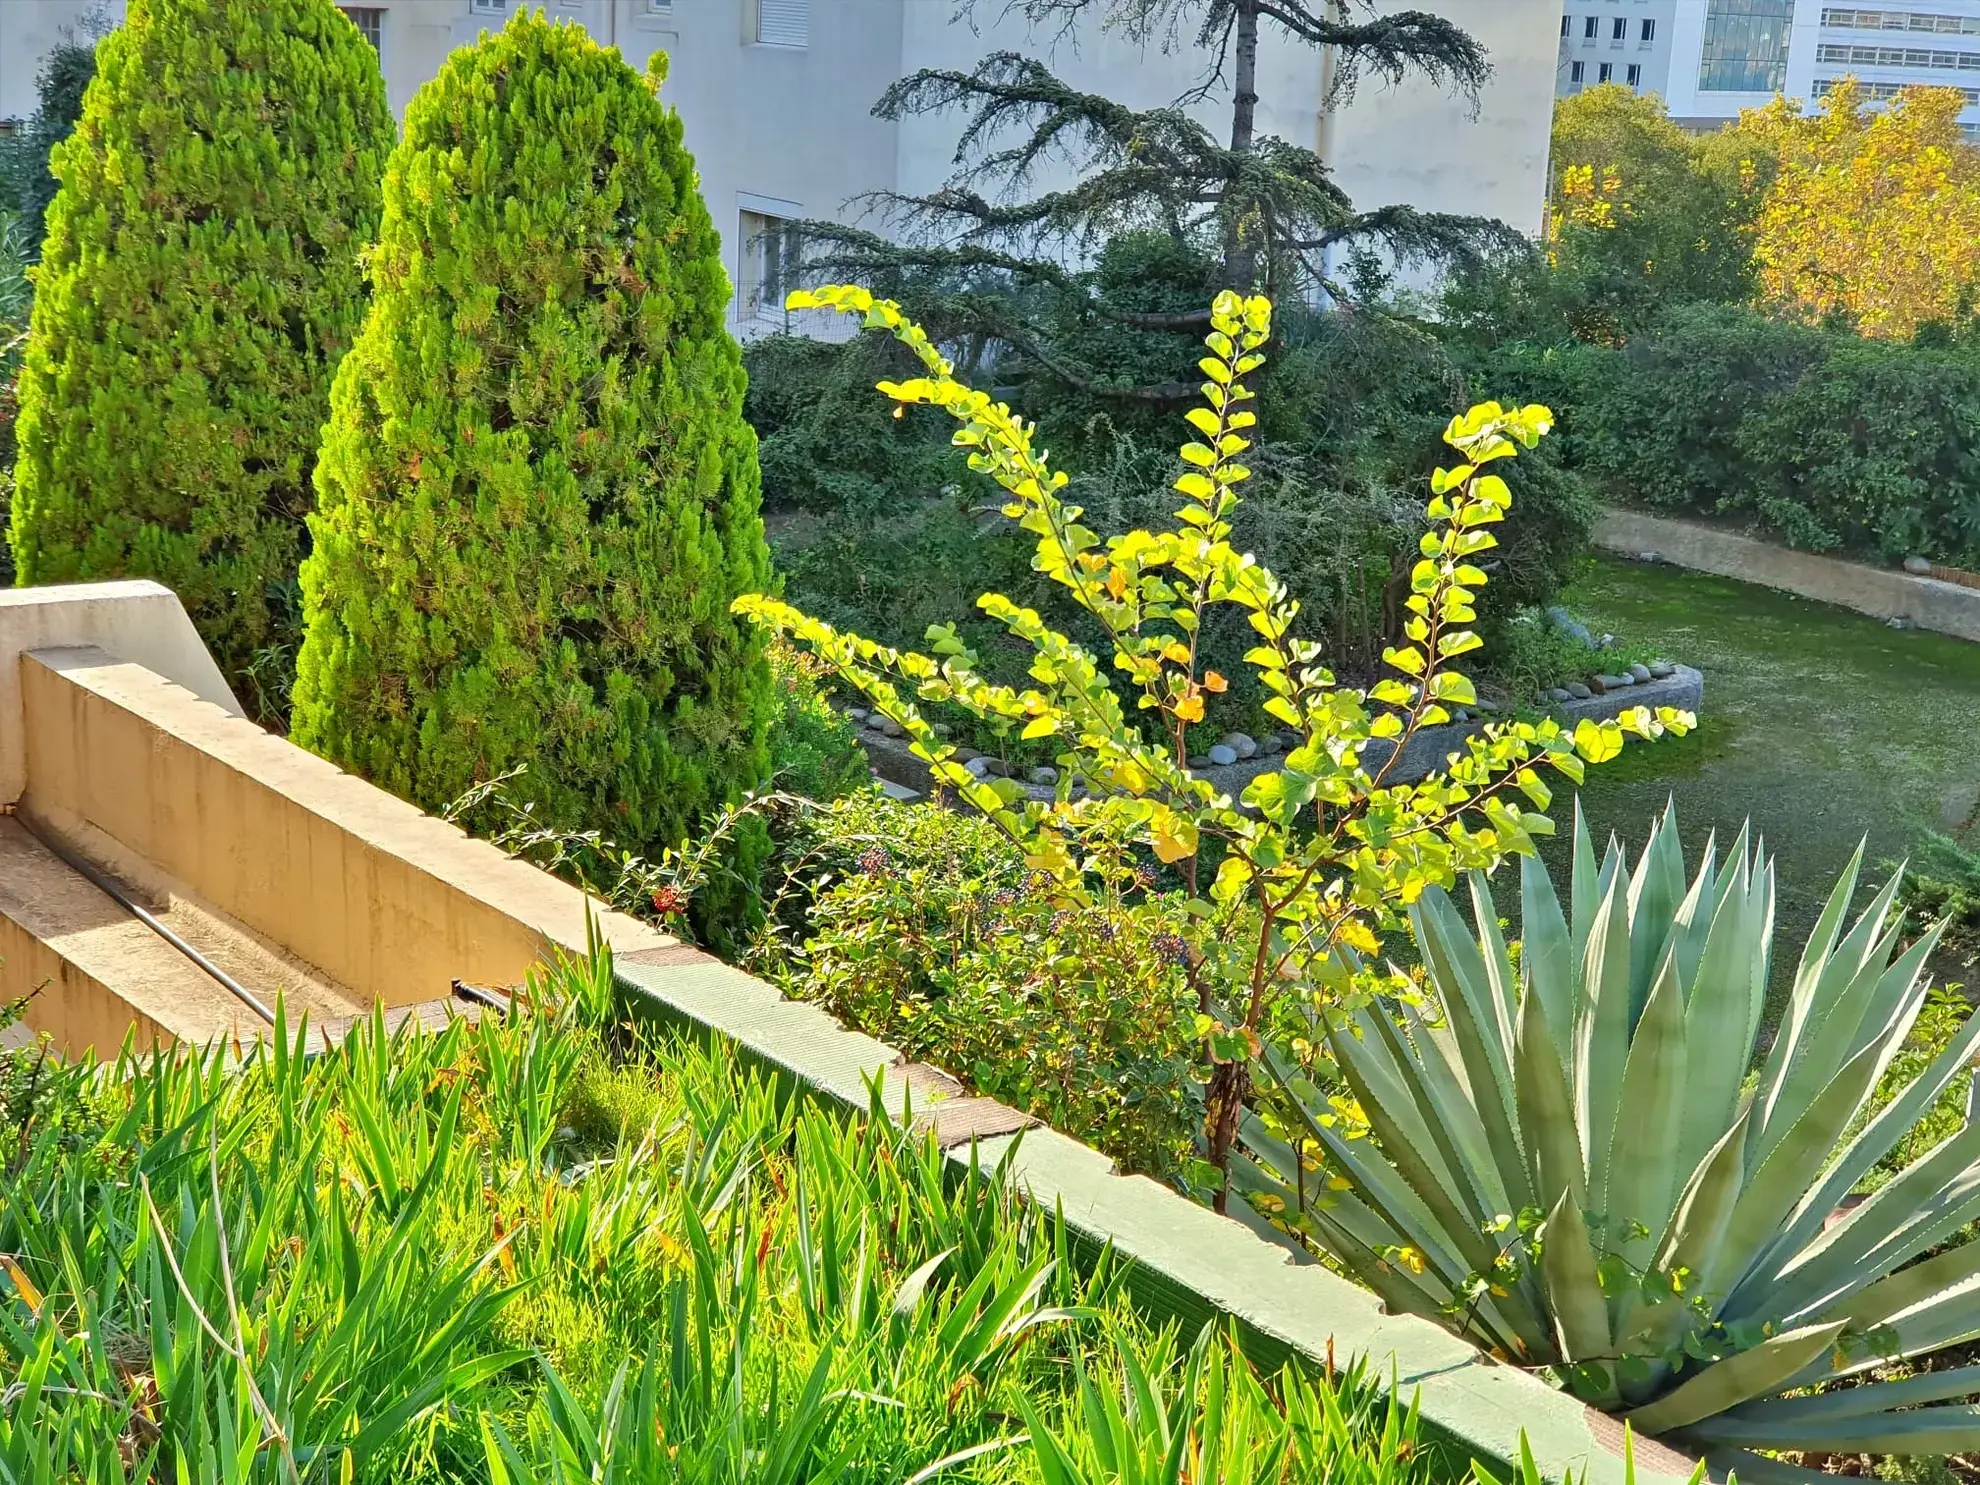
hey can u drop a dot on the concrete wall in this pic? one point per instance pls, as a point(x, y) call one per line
point(1882, 592)
point(1417, 145)
point(384, 900)
point(138, 621)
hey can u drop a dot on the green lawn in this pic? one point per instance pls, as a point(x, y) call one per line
point(1820, 725)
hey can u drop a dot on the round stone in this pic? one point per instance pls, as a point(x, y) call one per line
point(1578, 691)
point(1917, 566)
point(1222, 755)
point(1662, 670)
point(1640, 672)
point(1043, 775)
point(1199, 761)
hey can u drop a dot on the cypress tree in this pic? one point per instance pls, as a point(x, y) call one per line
point(199, 282)
point(537, 495)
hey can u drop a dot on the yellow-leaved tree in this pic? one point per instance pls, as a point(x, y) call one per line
point(1294, 880)
point(1874, 215)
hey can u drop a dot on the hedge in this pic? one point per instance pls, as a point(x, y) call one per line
point(199, 282)
point(538, 496)
point(1815, 437)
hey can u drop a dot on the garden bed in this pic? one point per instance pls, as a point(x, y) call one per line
point(1682, 687)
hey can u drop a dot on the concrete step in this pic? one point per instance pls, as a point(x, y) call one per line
point(95, 973)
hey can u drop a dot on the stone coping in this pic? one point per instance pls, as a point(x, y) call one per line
point(1431, 749)
point(1909, 600)
point(1189, 1263)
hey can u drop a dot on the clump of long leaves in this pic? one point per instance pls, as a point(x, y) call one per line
point(499, 1253)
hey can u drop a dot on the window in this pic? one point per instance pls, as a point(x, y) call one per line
point(772, 253)
point(489, 7)
point(1588, 27)
point(662, 8)
point(1649, 31)
point(1635, 74)
point(783, 22)
point(1575, 70)
point(1619, 30)
point(1903, 20)
point(1940, 58)
point(1745, 46)
point(369, 19)
point(1882, 92)
point(1566, 21)
point(1608, 71)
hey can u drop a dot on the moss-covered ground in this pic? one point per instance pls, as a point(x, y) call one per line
point(1822, 726)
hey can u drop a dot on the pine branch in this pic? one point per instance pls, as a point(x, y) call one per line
point(1390, 47)
point(1412, 236)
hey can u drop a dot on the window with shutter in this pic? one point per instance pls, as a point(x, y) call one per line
point(783, 22)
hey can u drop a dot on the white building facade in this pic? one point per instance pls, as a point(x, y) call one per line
point(1711, 58)
point(776, 99)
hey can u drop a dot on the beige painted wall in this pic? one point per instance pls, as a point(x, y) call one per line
point(136, 620)
point(385, 901)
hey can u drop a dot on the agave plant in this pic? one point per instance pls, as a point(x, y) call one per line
point(1578, 1157)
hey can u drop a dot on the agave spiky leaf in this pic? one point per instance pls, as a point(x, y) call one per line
point(1568, 1161)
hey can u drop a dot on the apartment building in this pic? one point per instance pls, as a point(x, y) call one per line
point(1711, 58)
point(776, 98)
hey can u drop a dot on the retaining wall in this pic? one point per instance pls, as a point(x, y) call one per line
point(1883, 593)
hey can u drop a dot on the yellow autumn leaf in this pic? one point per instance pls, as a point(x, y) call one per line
point(24, 1284)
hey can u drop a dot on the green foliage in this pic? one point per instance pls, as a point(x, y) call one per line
point(27, 185)
point(500, 1253)
point(1937, 1027)
point(1943, 885)
point(1564, 1160)
point(924, 927)
point(826, 445)
point(1317, 856)
point(814, 750)
point(1641, 215)
point(199, 282)
point(537, 495)
point(1819, 438)
point(1352, 420)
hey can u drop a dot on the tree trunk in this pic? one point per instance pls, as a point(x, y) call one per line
point(1240, 242)
point(1224, 1100)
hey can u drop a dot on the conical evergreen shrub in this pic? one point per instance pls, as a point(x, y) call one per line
point(537, 495)
point(200, 280)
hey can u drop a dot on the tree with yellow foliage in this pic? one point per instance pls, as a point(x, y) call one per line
point(1874, 216)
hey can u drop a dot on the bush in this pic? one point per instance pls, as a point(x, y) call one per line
point(923, 927)
point(199, 282)
point(1321, 852)
point(538, 495)
point(1353, 421)
point(827, 445)
point(1816, 437)
point(814, 749)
